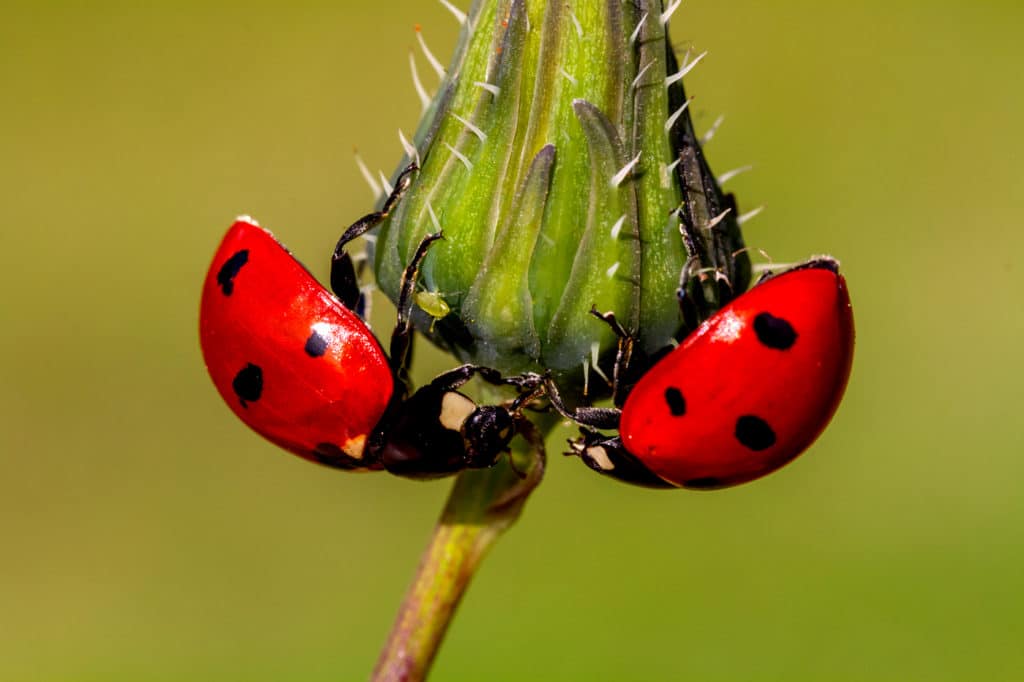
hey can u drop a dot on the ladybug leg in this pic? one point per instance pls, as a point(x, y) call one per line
point(439, 431)
point(623, 354)
point(487, 429)
point(594, 417)
point(603, 454)
point(529, 385)
point(607, 456)
point(401, 336)
point(363, 303)
point(690, 294)
point(344, 282)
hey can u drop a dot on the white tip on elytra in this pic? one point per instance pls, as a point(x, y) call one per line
point(667, 14)
point(459, 14)
point(434, 62)
point(730, 174)
point(481, 135)
point(421, 91)
point(687, 68)
point(460, 156)
point(625, 171)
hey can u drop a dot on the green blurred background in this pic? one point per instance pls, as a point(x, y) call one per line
point(147, 535)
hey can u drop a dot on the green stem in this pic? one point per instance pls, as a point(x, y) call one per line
point(482, 505)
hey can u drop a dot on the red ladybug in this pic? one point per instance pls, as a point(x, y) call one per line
point(744, 394)
point(300, 368)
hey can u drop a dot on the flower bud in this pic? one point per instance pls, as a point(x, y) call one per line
point(560, 161)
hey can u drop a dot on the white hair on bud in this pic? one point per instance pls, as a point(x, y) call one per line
point(493, 89)
point(712, 130)
point(743, 218)
point(643, 71)
point(460, 156)
point(636, 31)
point(685, 69)
point(675, 117)
point(625, 171)
point(434, 62)
point(481, 135)
point(368, 176)
point(718, 218)
point(460, 16)
point(421, 91)
point(730, 174)
point(388, 189)
point(595, 350)
point(410, 149)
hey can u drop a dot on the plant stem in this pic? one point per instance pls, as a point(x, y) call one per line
point(482, 505)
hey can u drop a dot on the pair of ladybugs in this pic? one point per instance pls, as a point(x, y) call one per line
point(745, 393)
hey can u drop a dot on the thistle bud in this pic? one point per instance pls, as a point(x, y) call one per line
point(560, 161)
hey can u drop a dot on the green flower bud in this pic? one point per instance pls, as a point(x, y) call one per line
point(560, 161)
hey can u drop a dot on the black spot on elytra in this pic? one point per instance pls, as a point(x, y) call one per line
point(316, 345)
point(248, 384)
point(706, 483)
point(333, 456)
point(227, 273)
point(754, 433)
point(774, 332)
point(675, 400)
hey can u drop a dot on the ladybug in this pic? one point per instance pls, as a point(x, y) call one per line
point(750, 389)
point(302, 369)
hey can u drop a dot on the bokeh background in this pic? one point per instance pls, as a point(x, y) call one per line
point(146, 535)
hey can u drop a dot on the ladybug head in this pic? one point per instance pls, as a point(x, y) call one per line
point(487, 432)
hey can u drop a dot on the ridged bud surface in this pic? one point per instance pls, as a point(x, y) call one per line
point(561, 164)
